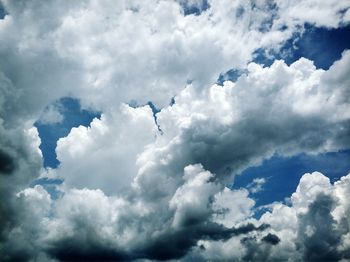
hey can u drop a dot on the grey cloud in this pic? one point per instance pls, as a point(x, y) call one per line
point(254, 250)
point(85, 244)
point(271, 238)
point(20, 163)
point(319, 235)
point(179, 244)
point(85, 247)
point(7, 165)
point(259, 250)
point(263, 113)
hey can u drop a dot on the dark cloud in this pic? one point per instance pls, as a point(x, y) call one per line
point(259, 250)
point(85, 249)
point(221, 233)
point(319, 235)
point(177, 244)
point(86, 243)
point(271, 239)
point(7, 164)
point(19, 164)
point(15, 245)
point(255, 251)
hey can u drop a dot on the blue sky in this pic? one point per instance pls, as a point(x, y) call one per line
point(73, 116)
point(321, 45)
point(283, 174)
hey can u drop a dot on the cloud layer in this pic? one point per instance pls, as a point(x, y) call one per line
point(139, 187)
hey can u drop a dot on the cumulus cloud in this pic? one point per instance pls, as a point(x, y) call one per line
point(103, 156)
point(131, 191)
point(104, 52)
point(171, 199)
point(311, 233)
point(273, 110)
point(20, 163)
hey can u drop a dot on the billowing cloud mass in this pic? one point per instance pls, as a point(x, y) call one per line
point(140, 185)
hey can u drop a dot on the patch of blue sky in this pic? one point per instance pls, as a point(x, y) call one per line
point(73, 116)
point(194, 7)
point(283, 174)
point(50, 185)
point(3, 12)
point(230, 75)
point(321, 45)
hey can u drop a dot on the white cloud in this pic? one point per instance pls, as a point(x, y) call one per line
point(326, 13)
point(192, 200)
point(232, 206)
point(103, 156)
point(316, 232)
point(257, 184)
point(226, 129)
point(163, 176)
point(106, 52)
point(51, 115)
point(130, 191)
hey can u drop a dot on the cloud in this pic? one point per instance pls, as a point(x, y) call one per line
point(133, 192)
point(103, 156)
point(51, 115)
point(170, 198)
point(7, 165)
point(273, 110)
point(318, 234)
point(146, 51)
point(326, 14)
point(315, 231)
point(257, 184)
point(164, 196)
point(20, 162)
point(228, 212)
point(271, 238)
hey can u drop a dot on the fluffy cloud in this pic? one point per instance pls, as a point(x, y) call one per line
point(20, 163)
point(132, 191)
point(311, 233)
point(273, 110)
point(171, 199)
point(103, 156)
point(329, 14)
point(103, 52)
point(96, 226)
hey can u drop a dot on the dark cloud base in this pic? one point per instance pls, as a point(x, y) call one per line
point(170, 245)
point(7, 163)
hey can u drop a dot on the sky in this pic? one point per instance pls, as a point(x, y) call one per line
point(180, 130)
